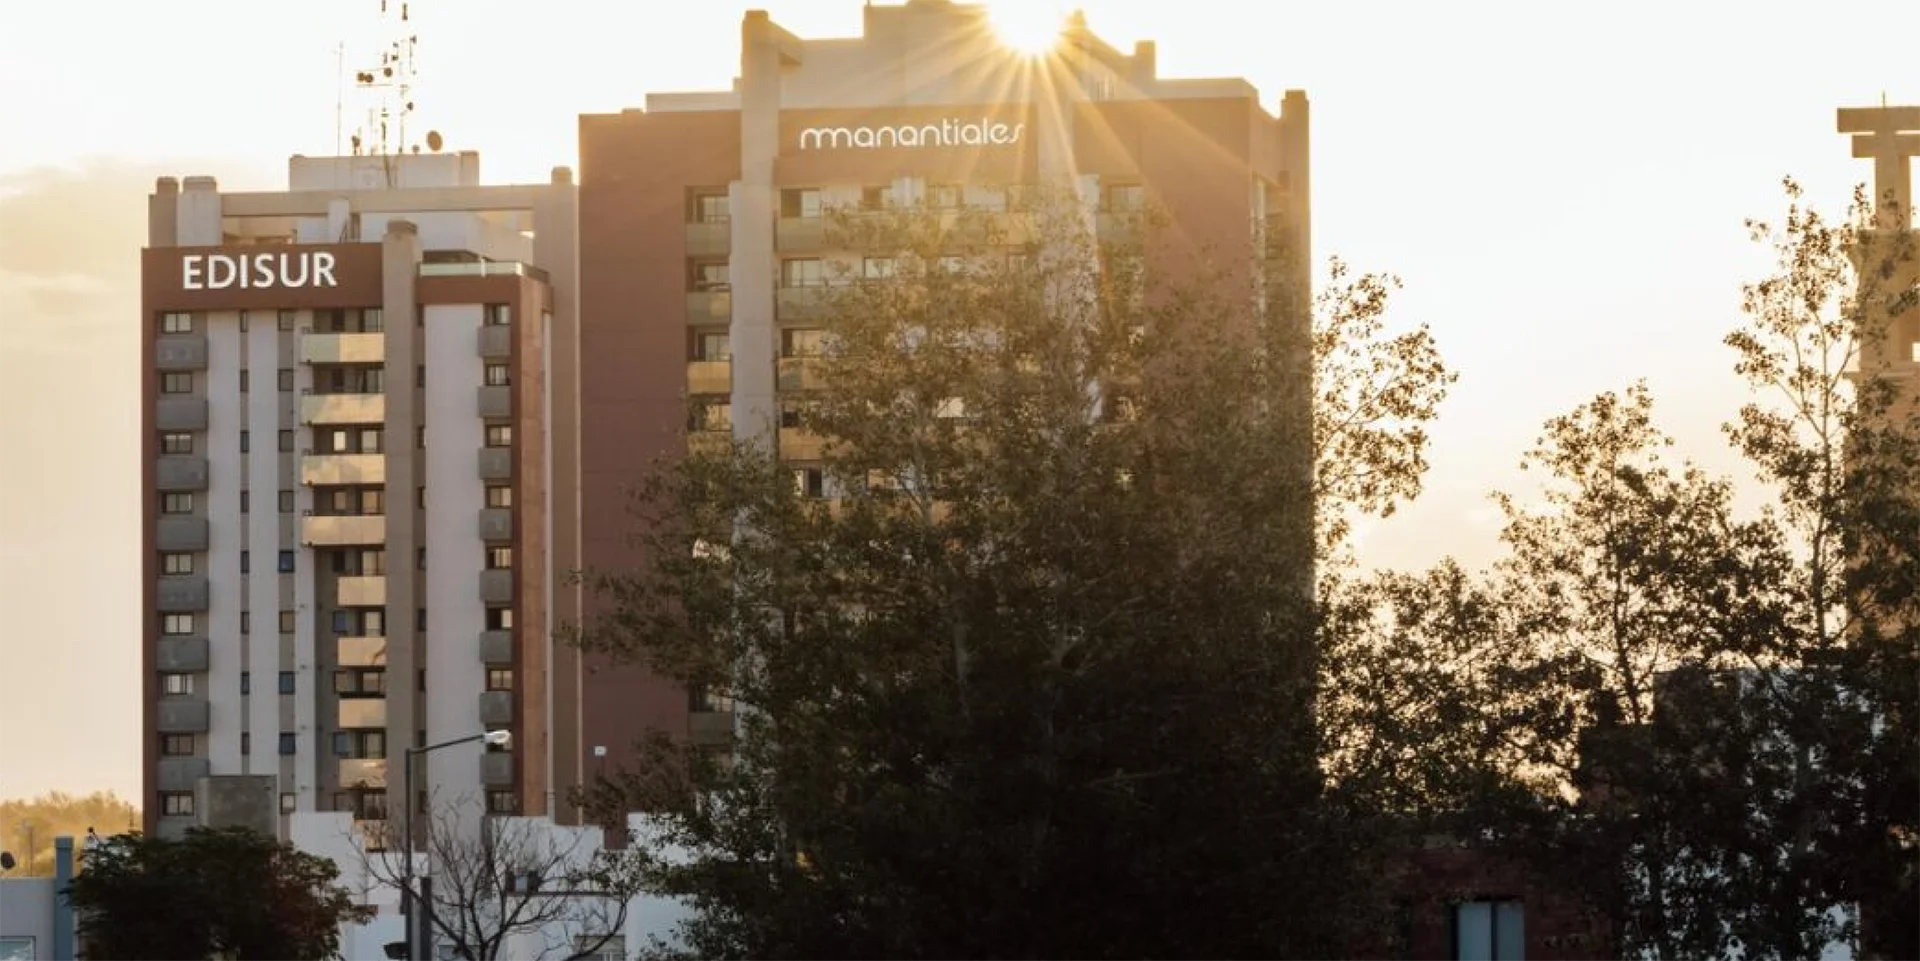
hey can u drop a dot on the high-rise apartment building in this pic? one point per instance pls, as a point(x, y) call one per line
point(702, 229)
point(357, 422)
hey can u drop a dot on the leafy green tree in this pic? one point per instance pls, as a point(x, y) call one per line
point(227, 893)
point(1035, 678)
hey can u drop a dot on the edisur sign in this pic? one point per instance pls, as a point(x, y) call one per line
point(289, 277)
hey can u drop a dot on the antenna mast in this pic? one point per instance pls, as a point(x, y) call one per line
point(394, 77)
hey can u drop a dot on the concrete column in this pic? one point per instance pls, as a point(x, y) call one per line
point(198, 214)
point(399, 267)
point(556, 248)
point(163, 209)
point(754, 209)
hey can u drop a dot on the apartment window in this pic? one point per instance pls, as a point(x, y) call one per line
point(810, 482)
point(420, 619)
point(498, 375)
point(499, 618)
point(180, 503)
point(712, 275)
point(373, 320)
point(176, 323)
point(176, 624)
point(499, 435)
point(288, 802)
point(419, 375)
point(286, 622)
point(802, 272)
point(286, 319)
point(246, 742)
point(176, 383)
point(286, 682)
point(420, 437)
point(877, 198)
point(712, 346)
point(243, 321)
point(709, 207)
point(499, 558)
point(1489, 931)
point(246, 561)
point(1125, 197)
point(286, 379)
point(176, 685)
point(286, 442)
point(876, 268)
point(711, 415)
point(496, 315)
point(354, 682)
point(365, 745)
point(246, 622)
point(176, 745)
point(246, 442)
point(420, 558)
point(372, 440)
point(499, 495)
point(245, 381)
point(286, 744)
point(172, 563)
point(503, 802)
point(790, 417)
point(176, 442)
point(500, 679)
point(246, 683)
point(800, 202)
point(286, 562)
point(802, 342)
point(246, 502)
point(944, 196)
point(176, 803)
point(286, 502)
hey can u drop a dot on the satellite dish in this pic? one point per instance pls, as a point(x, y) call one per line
point(6, 861)
point(434, 141)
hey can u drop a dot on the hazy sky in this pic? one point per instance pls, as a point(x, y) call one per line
point(1561, 186)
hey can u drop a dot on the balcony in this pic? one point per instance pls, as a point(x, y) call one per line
point(181, 715)
point(494, 402)
point(795, 234)
point(710, 377)
point(182, 773)
point(496, 769)
point(801, 303)
point(496, 341)
point(496, 463)
point(496, 647)
point(799, 444)
point(343, 408)
point(360, 713)
point(496, 587)
point(180, 655)
point(180, 413)
point(328, 470)
point(180, 472)
point(363, 652)
point(714, 239)
point(172, 352)
point(343, 348)
point(356, 772)
point(800, 373)
point(709, 307)
point(182, 593)
point(496, 708)
point(362, 591)
point(709, 443)
point(177, 533)
point(496, 524)
point(343, 530)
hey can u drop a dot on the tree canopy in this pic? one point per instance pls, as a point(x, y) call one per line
point(227, 893)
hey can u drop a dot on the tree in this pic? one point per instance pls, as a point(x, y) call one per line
point(227, 892)
point(30, 826)
point(513, 887)
point(1035, 677)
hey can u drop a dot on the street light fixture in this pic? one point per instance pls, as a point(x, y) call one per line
point(411, 911)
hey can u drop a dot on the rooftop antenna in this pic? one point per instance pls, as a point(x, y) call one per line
point(393, 76)
point(339, 91)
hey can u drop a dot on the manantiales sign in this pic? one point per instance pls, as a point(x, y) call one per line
point(284, 276)
point(950, 132)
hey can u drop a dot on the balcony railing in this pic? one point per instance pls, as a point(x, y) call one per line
point(330, 470)
point(343, 408)
point(343, 530)
point(343, 348)
point(363, 773)
point(709, 307)
point(360, 713)
point(711, 239)
point(710, 377)
point(496, 587)
point(363, 591)
point(496, 707)
point(363, 652)
point(496, 647)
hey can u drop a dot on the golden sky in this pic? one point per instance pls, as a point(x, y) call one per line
point(1562, 187)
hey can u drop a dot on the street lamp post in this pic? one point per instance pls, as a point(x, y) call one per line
point(418, 935)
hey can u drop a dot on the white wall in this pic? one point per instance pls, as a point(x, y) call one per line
point(226, 535)
point(263, 541)
point(455, 552)
point(26, 911)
